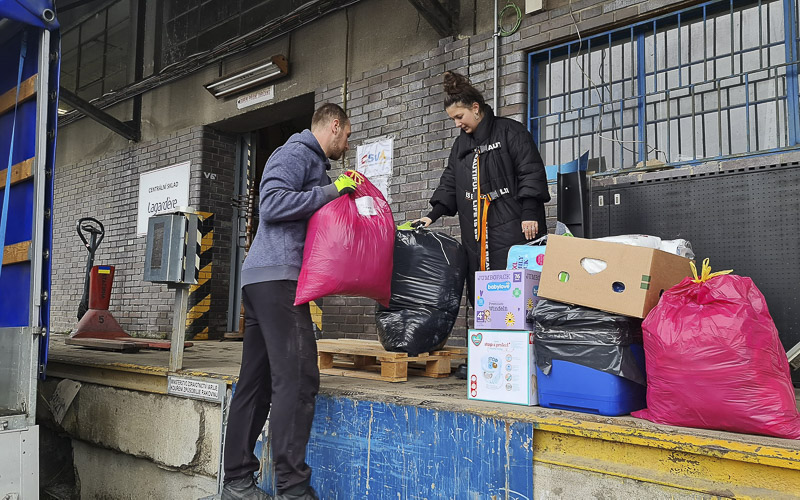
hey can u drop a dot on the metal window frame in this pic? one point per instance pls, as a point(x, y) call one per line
point(100, 38)
point(637, 34)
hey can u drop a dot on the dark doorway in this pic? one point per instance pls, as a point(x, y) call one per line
point(277, 124)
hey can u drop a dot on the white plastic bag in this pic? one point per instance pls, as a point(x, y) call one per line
point(678, 247)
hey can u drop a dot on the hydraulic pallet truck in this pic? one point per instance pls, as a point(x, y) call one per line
point(97, 328)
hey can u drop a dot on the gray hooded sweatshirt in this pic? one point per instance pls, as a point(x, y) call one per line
point(295, 184)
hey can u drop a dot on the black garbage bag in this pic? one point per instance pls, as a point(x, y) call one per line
point(587, 337)
point(427, 284)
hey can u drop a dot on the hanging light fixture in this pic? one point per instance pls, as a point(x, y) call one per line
point(246, 79)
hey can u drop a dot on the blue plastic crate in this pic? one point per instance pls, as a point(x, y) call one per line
point(579, 388)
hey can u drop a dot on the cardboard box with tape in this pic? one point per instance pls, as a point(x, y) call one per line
point(630, 282)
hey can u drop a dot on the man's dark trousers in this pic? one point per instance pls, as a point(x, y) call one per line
point(279, 367)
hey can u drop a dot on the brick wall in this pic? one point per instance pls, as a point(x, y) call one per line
point(212, 191)
point(403, 99)
point(107, 189)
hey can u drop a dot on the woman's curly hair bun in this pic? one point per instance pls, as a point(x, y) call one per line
point(455, 83)
point(458, 90)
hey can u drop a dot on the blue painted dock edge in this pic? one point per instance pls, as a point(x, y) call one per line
point(370, 449)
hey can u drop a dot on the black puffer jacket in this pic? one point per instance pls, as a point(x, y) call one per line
point(515, 165)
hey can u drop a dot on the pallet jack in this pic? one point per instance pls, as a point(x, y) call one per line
point(97, 328)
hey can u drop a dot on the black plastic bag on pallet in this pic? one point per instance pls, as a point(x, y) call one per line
point(587, 337)
point(427, 285)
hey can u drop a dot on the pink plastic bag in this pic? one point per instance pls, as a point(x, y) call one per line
point(349, 247)
point(714, 360)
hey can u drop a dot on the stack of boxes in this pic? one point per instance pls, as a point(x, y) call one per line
point(501, 365)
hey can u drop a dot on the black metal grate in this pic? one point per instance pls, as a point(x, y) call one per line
point(746, 220)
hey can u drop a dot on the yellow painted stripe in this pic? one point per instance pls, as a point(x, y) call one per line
point(19, 172)
point(203, 335)
point(198, 310)
point(720, 476)
point(677, 440)
point(316, 314)
point(203, 276)
point(207, 240)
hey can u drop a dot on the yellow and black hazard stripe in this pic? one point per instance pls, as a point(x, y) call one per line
point(316, 316)
point(197, 317)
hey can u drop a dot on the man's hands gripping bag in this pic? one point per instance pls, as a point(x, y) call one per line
point(349, 246)
point(714, 359)
point(427, 284)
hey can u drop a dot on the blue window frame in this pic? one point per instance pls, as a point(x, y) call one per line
point(716, 80)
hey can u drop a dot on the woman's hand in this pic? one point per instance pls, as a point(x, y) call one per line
point(530, 228)
point(423, 221)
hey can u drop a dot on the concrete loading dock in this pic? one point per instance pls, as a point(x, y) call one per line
point(418, 439)
point(130, 439)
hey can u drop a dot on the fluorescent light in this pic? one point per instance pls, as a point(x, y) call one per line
point(250, 77)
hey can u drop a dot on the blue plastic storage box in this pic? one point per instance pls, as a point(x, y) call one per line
point(579, 388)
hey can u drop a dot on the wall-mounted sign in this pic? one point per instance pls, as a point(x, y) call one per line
point(374, 160)
point(262, 95)
point(162, 190)
point(209, 390)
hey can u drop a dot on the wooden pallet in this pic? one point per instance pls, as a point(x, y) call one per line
point(368, 359)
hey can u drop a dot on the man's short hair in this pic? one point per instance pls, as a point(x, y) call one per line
point(327, 113)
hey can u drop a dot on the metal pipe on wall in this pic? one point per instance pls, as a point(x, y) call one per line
point(496, 36)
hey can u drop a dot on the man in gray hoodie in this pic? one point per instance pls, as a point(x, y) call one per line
point(279, 374)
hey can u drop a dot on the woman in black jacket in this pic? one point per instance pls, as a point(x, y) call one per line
point(494, 179)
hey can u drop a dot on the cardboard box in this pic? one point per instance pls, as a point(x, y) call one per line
point(503, 298)
point(501, 367)
point(631, 284)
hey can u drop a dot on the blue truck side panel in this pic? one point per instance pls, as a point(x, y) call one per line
point(28, 21)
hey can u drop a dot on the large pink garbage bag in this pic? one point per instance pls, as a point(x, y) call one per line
point(349, 247)
point(714, 360)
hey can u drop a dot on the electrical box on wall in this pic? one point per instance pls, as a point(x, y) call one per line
point(172, 252)
point(534, 6)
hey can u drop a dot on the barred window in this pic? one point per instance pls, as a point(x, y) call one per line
point(713, 81)
point(97, 51)
point(194, 26)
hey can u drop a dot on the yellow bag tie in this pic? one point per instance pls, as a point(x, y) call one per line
point(356, 176)
point(706, 273)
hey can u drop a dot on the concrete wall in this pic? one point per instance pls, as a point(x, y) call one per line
point(129, 444)
point(393, 60)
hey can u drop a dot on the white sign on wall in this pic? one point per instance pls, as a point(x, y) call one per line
point(262, 95)
point(210, 390)
point(162, 190)
point(375, 162)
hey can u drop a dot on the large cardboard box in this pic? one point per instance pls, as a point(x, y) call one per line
point(501, 367)
point(631, 283)
point(503, 299)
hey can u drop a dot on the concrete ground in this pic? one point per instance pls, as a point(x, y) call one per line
point(221, 359)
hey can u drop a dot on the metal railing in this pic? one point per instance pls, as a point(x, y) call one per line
point(694, 85)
